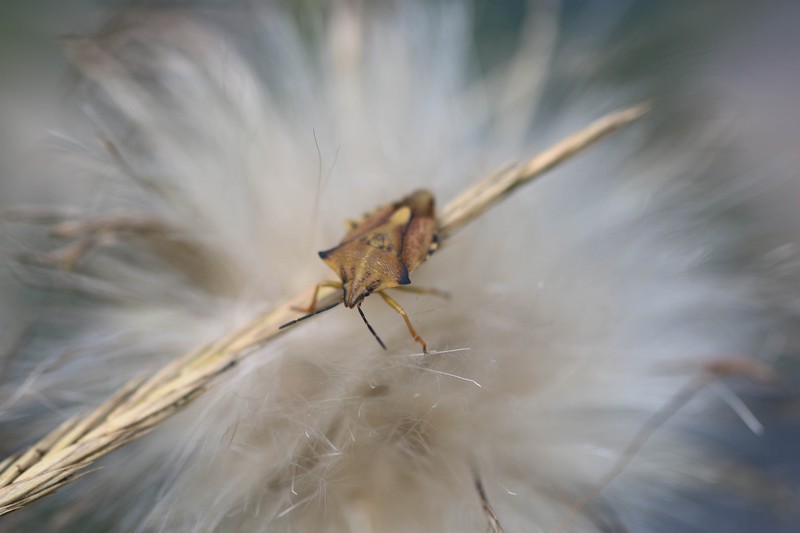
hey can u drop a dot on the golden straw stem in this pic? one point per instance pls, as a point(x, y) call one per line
point(63, 455)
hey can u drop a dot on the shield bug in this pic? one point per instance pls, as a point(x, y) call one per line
point(379, 252)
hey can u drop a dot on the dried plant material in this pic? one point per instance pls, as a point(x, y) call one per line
point(161, 238)
point(65, 454)
point(482, 195)
point(715, 369)
point(491, 516)
point(749, 369)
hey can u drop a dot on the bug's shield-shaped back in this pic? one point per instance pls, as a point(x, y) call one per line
point(417, 242)
point(370, 261)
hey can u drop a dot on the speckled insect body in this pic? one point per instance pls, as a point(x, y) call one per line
point(379, 252)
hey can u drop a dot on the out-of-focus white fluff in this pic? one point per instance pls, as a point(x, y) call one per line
point(579, 307)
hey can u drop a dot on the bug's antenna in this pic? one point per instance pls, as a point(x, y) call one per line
point(318, 311)
point(360, 312)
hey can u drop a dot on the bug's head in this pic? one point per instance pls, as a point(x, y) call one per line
point(353, 295)
point(364, 270)
point(356, 288)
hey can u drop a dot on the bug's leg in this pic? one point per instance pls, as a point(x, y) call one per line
point(423, 290)
point(313, 306)
point(396, 306)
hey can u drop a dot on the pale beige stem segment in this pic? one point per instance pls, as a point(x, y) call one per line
point(65, 454)
point(485, 193)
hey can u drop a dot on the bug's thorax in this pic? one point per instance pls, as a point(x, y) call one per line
point(378, 253)
point(365, 268)
point(381, 250)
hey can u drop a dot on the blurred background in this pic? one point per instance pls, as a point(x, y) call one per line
point(730, 67)
point(735, 57)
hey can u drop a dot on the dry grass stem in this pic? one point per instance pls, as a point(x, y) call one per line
point(471, 203)
point(713, 370)
point(65, 454)
point(488, 511)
